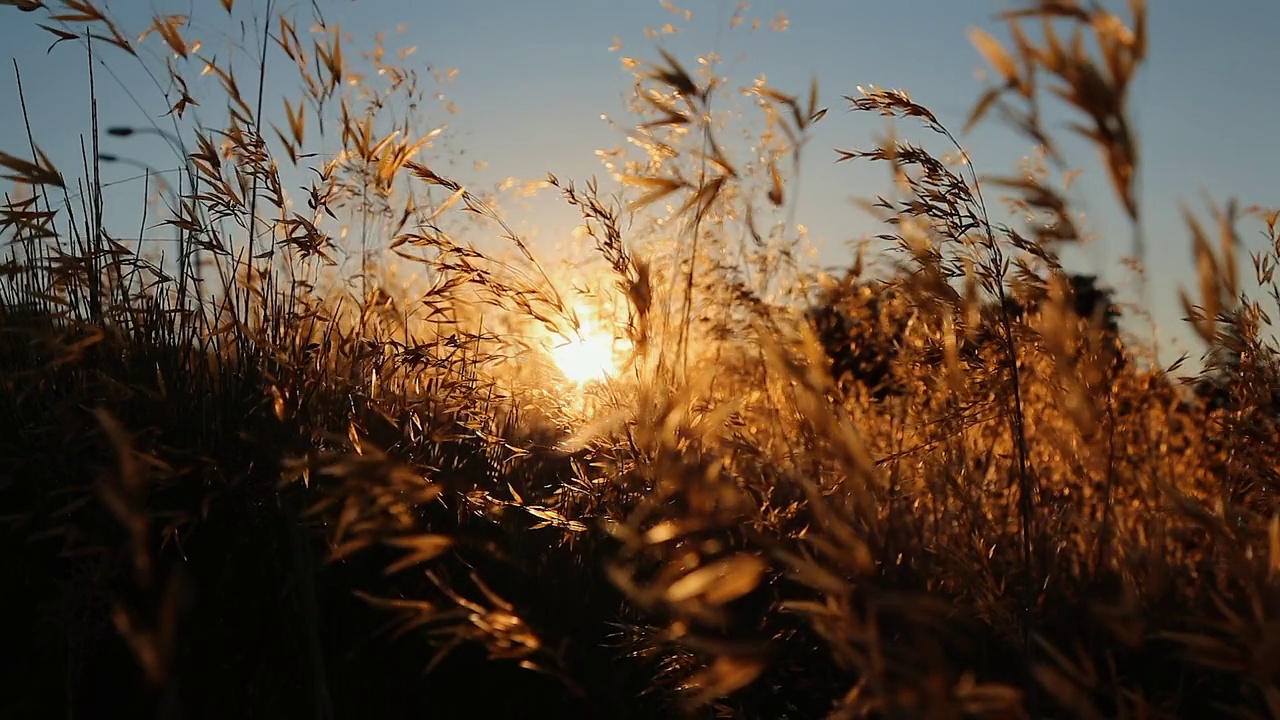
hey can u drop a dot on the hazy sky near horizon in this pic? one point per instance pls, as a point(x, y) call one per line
point(534, 78)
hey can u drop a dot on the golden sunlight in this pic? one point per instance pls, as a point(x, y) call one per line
point(588, 356)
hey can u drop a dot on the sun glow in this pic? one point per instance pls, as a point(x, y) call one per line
point(588, 356)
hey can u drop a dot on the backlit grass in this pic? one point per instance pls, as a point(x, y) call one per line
point(320, 441)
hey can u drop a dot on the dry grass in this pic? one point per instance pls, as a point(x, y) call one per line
point(944, 485)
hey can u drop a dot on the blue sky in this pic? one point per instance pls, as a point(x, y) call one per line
point(534, 78)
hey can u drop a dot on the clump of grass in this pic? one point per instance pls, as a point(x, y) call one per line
point(946, 485)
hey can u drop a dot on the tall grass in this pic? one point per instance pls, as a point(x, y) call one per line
point(320, 451)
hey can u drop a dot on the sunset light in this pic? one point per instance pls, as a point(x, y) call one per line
point(588, 356)
point(623, 359)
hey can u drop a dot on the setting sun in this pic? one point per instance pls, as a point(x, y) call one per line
point(588, 356)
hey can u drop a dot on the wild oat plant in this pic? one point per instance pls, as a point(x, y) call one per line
point(324, 455)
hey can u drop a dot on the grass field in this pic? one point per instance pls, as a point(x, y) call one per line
point(364, 451)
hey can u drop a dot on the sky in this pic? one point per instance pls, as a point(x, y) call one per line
point(534, 78)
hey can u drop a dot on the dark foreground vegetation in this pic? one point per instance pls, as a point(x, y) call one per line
point(267, 476)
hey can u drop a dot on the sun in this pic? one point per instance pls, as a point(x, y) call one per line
point(588, 356)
